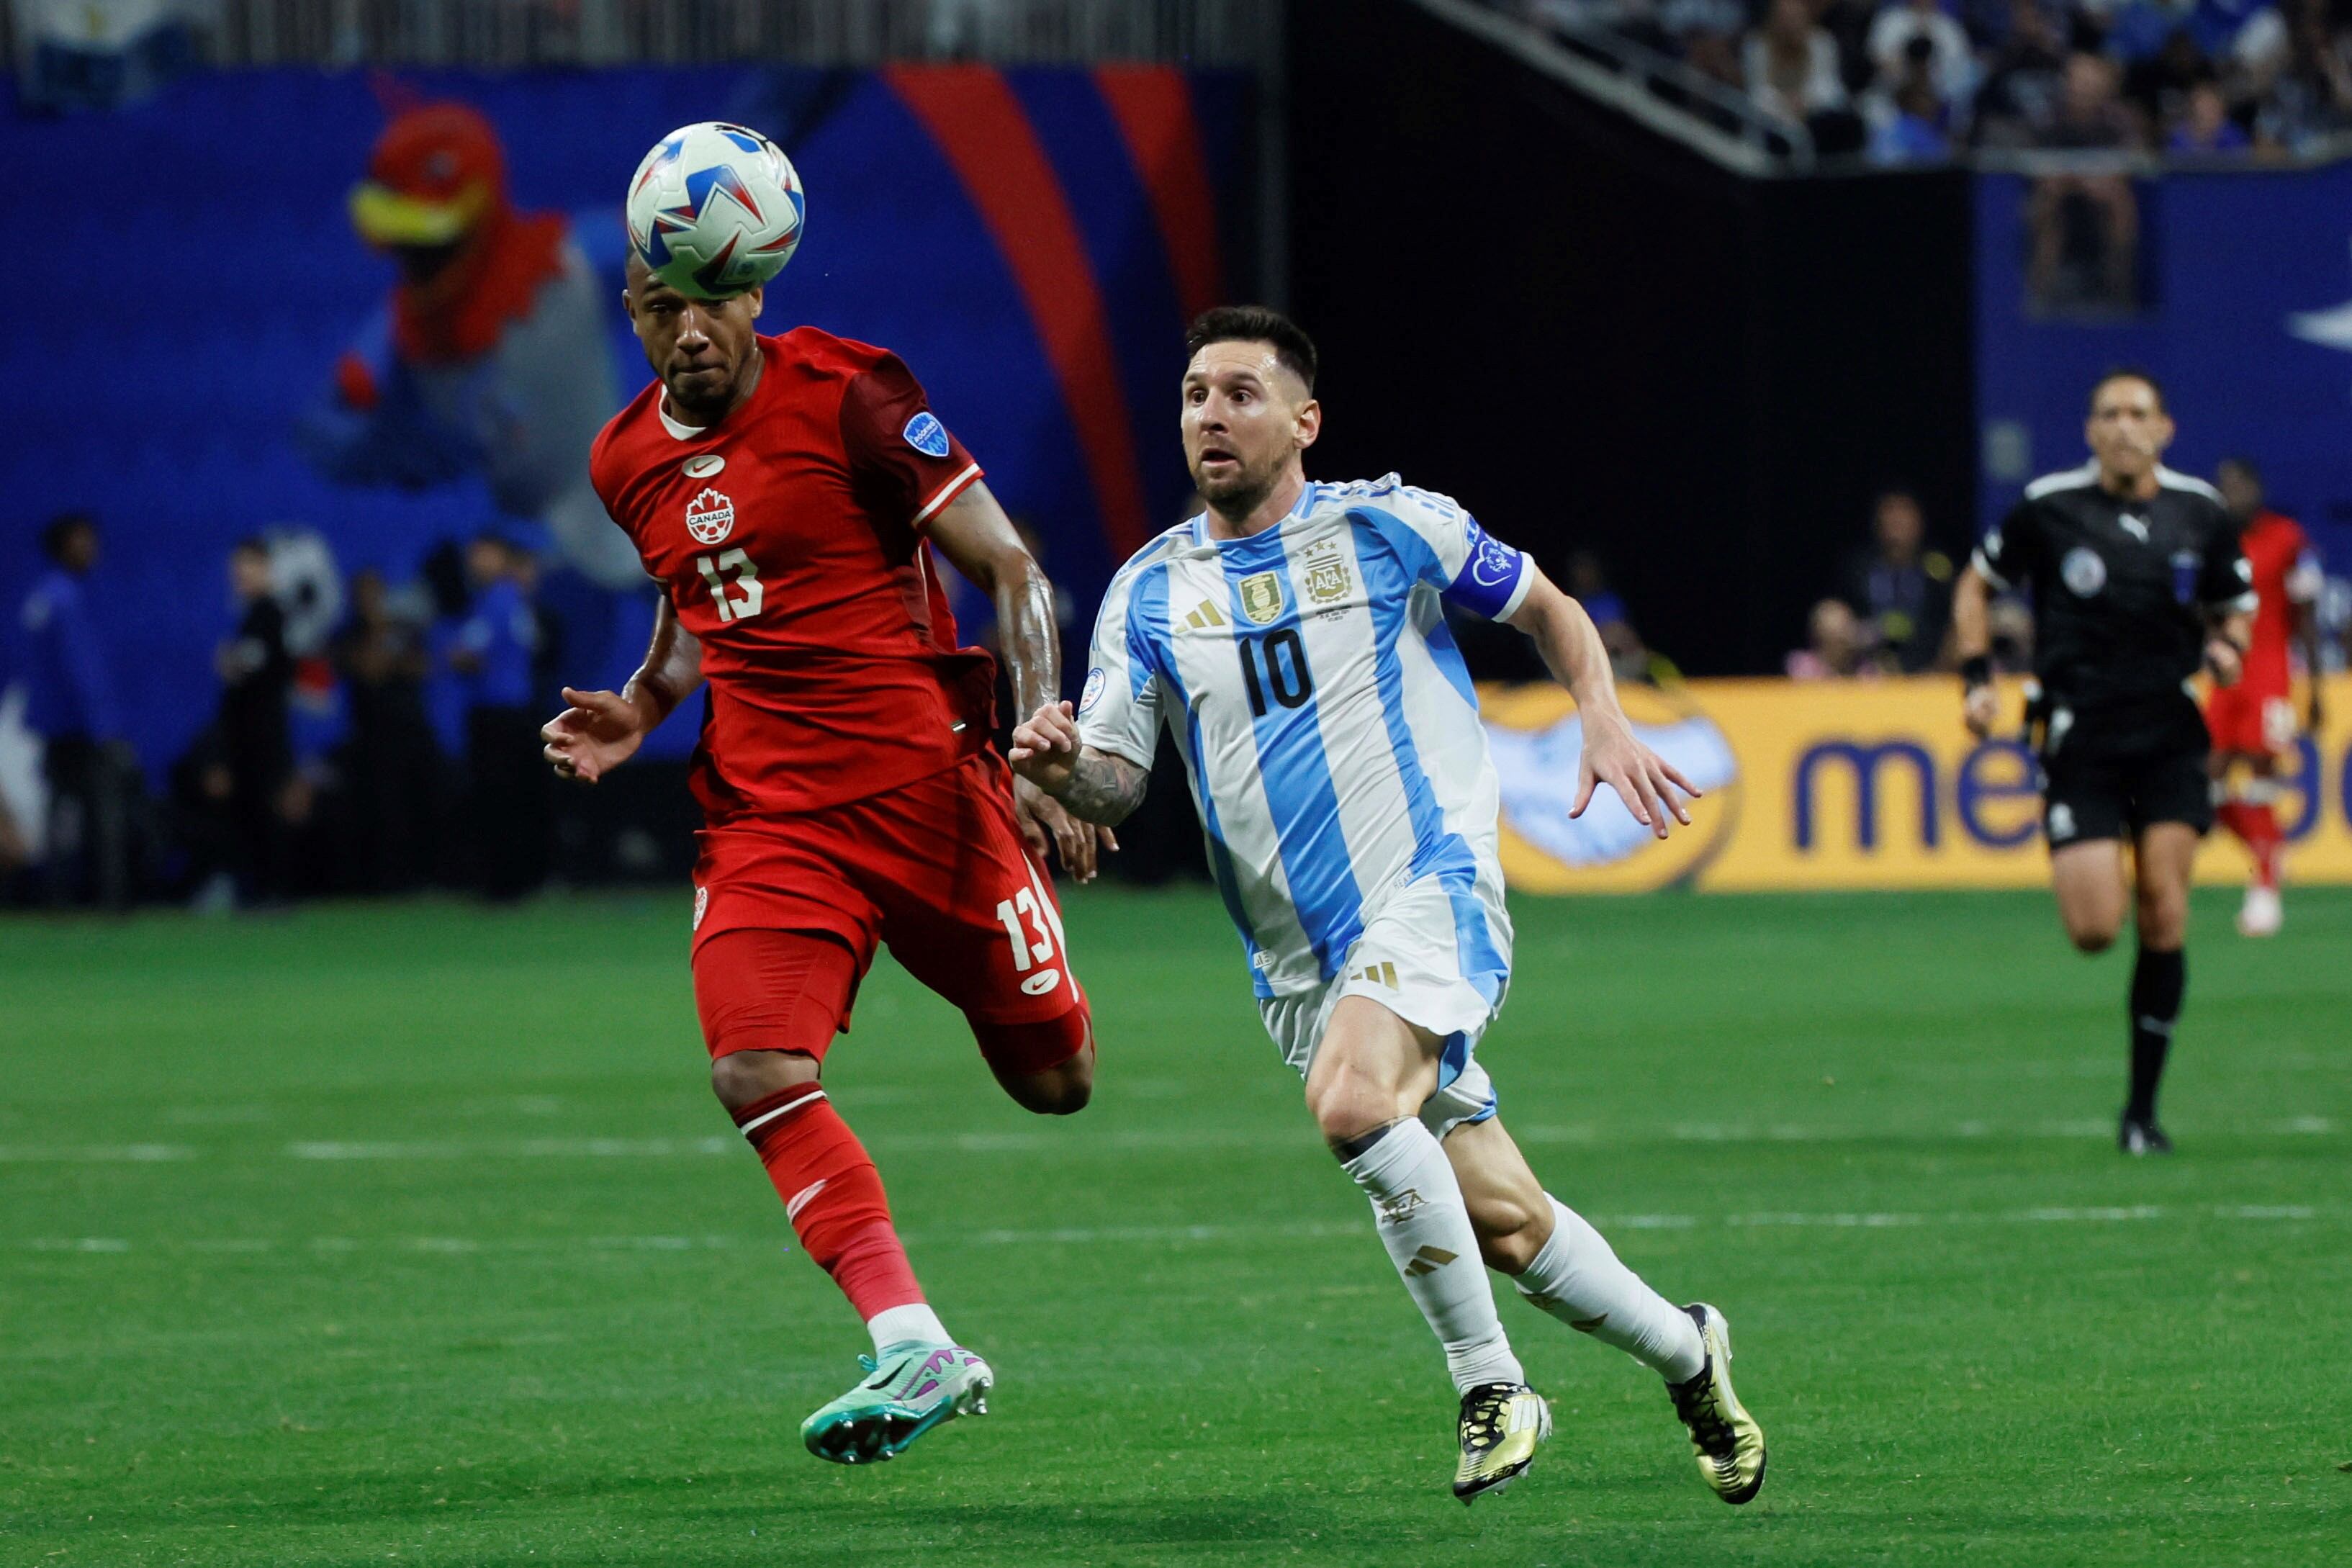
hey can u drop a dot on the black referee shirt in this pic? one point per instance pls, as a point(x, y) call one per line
point(2122, 588)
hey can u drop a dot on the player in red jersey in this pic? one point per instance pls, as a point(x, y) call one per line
point(2253, 721)
point(781, 491)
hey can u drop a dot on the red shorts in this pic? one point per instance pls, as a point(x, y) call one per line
point(938, 869)
point(2250, 719)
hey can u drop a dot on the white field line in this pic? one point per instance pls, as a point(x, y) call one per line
point(1071, 1140)
point(93, 1153)
point(1173, 1235)
point(520, 1149)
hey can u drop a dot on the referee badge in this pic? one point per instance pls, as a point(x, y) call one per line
point(2084, 571)
point(1262, 598)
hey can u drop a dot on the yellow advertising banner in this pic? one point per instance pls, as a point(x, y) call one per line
point(1841, 784)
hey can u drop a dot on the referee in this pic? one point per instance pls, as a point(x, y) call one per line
point(2136, 580)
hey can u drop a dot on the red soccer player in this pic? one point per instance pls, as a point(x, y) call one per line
point(781, 491)
point(2253, 721)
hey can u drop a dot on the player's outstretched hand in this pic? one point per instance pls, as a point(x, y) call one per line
point(1981, 709)
point(1045, 746)
point(1643, 780)
point(1046, 821)
point(598, 732)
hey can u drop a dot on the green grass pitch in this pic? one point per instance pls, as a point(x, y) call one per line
point(412, 1233)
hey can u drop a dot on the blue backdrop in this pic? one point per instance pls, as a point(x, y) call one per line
point(2248, 324)
point(192, 277)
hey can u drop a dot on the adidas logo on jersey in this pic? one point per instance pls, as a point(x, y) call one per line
point(1205, 616)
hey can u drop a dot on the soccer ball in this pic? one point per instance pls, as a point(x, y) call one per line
point(715, 209)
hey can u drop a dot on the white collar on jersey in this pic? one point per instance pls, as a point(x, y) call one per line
point(1200, 523)
point(677, 431)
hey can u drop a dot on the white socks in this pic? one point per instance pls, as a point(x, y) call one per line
point(898, 1325)
point(1578, 1279)
point(1417, 1208)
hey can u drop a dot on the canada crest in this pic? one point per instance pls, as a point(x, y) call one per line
point(709, 517)
point(1328, 577)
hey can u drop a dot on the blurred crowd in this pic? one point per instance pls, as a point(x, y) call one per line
point(372, 742)
point(1903, 81)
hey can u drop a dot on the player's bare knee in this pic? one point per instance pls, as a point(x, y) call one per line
point(2093, 935)
point(740, 1078)
point(1046, 1067)
point(1346, 1105)
point(2163, 919)
point(1059, 1091)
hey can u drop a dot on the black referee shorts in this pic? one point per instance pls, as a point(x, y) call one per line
point(2112, 778)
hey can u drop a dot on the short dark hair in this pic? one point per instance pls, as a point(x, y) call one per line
point(2244, 465)
point(62, 527)
point(251, 544)
point(1255, 324)
point(2130, 373)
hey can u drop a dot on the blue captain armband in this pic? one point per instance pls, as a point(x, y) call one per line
point(1493, 576)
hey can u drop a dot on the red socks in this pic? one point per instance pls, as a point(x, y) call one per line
point(832, 1194)
point(2256, 824)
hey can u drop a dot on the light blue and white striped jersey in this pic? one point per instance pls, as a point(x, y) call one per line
point(1329, 725)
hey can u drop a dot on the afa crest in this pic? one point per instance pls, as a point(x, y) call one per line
point(709, 517)
point(1262, 598)
point(1328, 577)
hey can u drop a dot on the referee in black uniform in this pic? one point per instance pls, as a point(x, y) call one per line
point(2137, 581)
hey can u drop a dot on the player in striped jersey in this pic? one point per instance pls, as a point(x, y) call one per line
point(1291, 637)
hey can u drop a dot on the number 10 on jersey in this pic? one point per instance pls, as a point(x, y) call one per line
point(1286, 675)
point(734, 584)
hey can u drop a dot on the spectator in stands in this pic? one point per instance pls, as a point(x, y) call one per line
point(393, 760)
point(1791, 67)
point(1909, 118)
point(1899, 590)
point(2157, 82)
point(2085, 223)
point(493, 654)
point(94, 782)
point(2205, 126)
point(2311, 92)
point(1628, 657)
point(256, 675)
point(2023, 80)
point(1835, 649)
point(1950, 63)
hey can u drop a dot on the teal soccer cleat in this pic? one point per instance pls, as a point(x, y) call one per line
point(909, 1390)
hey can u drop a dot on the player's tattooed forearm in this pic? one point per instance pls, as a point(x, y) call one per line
point(1103, 788)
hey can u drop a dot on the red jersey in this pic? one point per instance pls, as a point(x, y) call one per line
point(789, 538)
point(2280, 555)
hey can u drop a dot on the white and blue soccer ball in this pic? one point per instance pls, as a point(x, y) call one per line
point(715, 209)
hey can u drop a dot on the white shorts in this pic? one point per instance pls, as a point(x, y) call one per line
point(1437, 953)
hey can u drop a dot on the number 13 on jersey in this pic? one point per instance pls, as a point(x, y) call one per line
point(734, 584)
